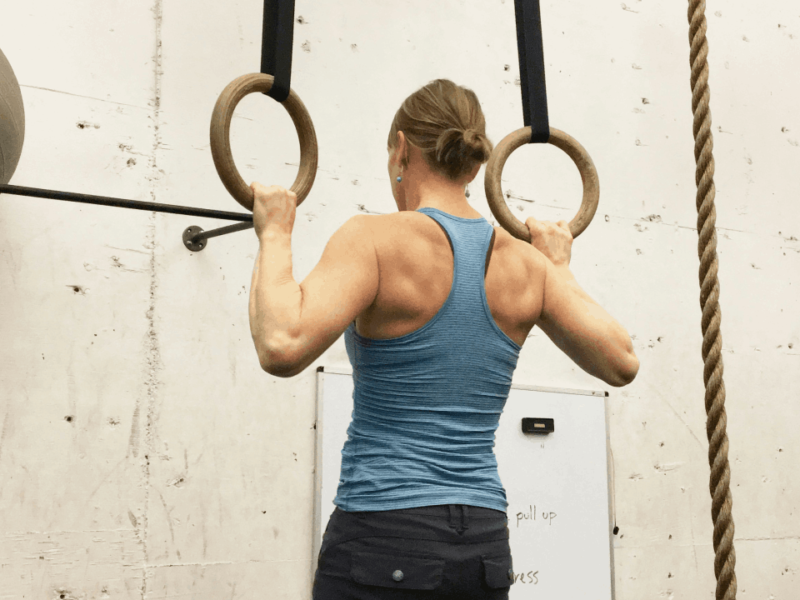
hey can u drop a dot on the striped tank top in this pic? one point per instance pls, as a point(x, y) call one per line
point(426, 405)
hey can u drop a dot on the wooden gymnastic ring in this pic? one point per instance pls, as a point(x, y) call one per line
point(221, 138)
point(494, 189)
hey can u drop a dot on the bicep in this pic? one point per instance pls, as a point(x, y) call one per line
point(342, 285)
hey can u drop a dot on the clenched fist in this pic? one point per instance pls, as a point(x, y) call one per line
point(554, 240)
point(273, 207)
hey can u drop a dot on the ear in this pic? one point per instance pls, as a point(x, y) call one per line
point(402, 148)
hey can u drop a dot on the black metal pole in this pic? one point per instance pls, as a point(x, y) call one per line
point(119, 203)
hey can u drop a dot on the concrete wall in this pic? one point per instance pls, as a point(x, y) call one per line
point(144, 454)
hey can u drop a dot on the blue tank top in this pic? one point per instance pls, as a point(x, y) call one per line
point(426, 405)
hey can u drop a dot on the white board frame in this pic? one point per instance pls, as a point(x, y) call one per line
point(318, 442)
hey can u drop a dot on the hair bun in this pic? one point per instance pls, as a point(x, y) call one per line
point(450, 147)
point(455, 145)
point(477, 144)
point(472, 138)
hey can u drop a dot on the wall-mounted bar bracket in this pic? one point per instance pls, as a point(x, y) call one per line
point(194, 238)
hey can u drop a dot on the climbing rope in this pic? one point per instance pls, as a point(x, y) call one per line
point(725, 559)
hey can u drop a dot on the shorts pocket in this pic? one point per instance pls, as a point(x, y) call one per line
point(498, 571)
point(395, 571)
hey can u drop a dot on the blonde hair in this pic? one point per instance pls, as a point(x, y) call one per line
point(446, 122)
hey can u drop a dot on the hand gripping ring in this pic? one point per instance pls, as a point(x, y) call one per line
point(494, 190)
point(221, 138)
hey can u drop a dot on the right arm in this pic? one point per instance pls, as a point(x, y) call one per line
point(575, 323)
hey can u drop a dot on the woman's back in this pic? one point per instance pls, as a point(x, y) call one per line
point(416, 275)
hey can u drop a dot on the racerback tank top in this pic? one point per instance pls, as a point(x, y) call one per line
point(426, 405)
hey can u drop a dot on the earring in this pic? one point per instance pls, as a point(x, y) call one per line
point(399, 179)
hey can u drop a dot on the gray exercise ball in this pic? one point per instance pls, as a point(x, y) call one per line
point(12, 120)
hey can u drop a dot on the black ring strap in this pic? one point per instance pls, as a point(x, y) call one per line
point(531, 69)
point(276, 46)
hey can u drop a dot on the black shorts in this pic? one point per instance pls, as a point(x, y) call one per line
point(443, 552)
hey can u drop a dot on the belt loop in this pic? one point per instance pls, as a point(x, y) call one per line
point(464, 517)
point(452, 508)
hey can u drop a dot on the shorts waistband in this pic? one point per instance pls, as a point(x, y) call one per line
point(452, 523)
point(441, 510)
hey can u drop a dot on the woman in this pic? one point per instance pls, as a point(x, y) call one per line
point(435, 305)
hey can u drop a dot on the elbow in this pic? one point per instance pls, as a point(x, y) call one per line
point(277, 367)
point(626, 371)
point(276, 362)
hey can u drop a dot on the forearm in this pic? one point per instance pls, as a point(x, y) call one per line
point(275, 296)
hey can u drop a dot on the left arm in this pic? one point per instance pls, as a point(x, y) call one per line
point(292, 323)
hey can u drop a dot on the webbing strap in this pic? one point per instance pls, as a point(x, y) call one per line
point(276, 45)
point(531, 69)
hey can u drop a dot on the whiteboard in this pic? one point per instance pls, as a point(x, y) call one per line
point(558, 487)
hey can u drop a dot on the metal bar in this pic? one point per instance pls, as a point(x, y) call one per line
point(119, 203)
point(204, 235)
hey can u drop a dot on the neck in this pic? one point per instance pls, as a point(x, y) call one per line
point(448, 197)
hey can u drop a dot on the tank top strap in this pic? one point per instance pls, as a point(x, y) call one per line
point(469, 239)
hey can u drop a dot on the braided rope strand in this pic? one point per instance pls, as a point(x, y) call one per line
point(716, 425)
